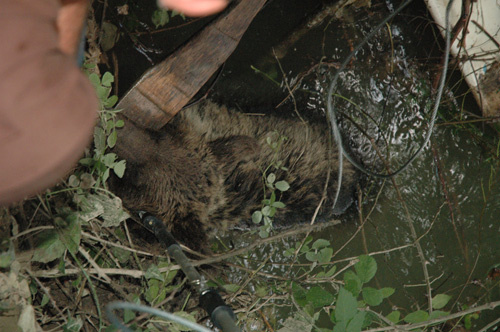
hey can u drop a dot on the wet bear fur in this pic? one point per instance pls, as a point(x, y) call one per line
point(202, 172)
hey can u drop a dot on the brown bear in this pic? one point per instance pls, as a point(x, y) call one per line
point(204, 170)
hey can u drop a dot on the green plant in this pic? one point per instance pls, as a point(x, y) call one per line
point(319, 252)
point(105, 135)
point(53, 243)
point(159, 284)
point(161, 17)
point(349, 307)
point(271, 202)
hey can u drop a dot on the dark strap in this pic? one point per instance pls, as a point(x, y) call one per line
point(164, 89)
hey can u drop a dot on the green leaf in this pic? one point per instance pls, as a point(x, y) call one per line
point(267, 222)
point(438, 313)
point(119, 168)
point(356, 322)
point(105, 175)
point(297, 323)
point(86, 161)
point(111, 101)
point(108, 37)
point(170, 275)
point(261, 291)
point(439, 301)
point(468, 320)
point(416, 317)
point(320, 243)
point(128, 315)
point(86, 181)
point(88, 65)
point(153, 272)
point(107, 79)
point(282, 186)
point(289, 252)
point(109, 159)
point(266, 210)
point(366, 268)
point(111, 141)
point(299, 294)
point(272, 198)
point(102, 92)
point(45, 300)
point(122, 255)
point(387, 291)
point(331, 272)
point(271, 178)
point(324, 255)
point(99, 139)
point(272, 212)
point(95, 80)
point(152, 291)
point(372, 296)
point(352, 283)
point(231, 288)
point(346, 306)
point(71, 234)
point(311, 256)
point(73, 325)
point(319, 297)
point(394, 316)
point(73, 181)
point(340, 327)
point(256, 217)
point(186, 316)
point(120, 123)
point(278, 205)
point(160, 17)
point(50, 247)
point(263, 233)
point(109, 208)
point(62, 267)
point(304, 248)
point(370, 317)
point(7, 256)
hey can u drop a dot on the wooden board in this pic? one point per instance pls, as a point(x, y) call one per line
point(164, 89)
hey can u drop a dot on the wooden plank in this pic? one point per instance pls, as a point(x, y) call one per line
point(164, 89)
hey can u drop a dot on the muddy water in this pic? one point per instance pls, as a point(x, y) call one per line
point(450, 191)
point(449, 194)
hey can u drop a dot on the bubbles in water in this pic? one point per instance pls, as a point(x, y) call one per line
point(375, 91)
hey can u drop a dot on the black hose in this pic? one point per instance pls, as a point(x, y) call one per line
point(210, 300)
point(174, 249)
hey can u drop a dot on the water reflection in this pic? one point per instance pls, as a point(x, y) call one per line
point(450, 191)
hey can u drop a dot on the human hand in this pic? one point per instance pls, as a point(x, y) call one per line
point(47, 106)
point(195, 7)
point(70, 20)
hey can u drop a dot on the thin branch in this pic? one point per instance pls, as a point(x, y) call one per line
point(408, 327)
point(92, 262)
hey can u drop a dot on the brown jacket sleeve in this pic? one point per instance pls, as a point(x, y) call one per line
point(47, 106)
